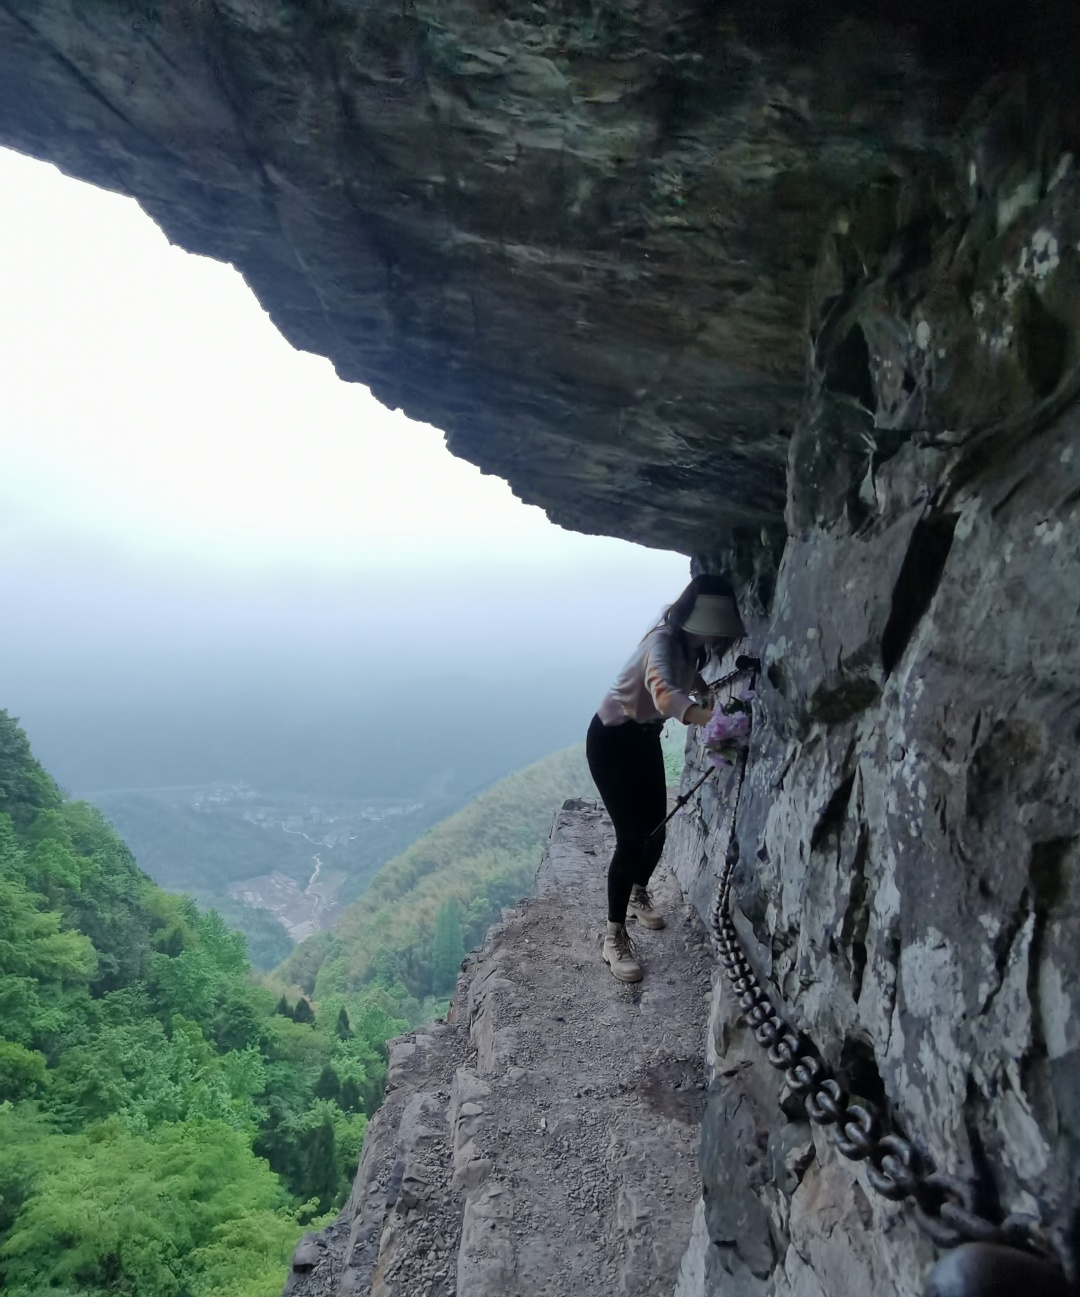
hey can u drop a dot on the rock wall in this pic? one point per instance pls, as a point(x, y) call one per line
point(910, 822)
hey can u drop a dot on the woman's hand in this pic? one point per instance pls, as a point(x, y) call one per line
point(696, 714)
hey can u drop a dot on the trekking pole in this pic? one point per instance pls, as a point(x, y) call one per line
point(680, 802)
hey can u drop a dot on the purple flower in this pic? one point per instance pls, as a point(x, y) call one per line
point(723, 729)
point(727, 736)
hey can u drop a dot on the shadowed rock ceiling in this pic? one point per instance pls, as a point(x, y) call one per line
point(575, 236)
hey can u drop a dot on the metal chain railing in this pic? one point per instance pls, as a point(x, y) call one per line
point(897, 1168)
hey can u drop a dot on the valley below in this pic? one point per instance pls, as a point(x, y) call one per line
point(301, 913)
point(278, 866)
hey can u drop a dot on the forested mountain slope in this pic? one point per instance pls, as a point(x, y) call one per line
point(425, 907)
point(213, 843)
point(167, 1125)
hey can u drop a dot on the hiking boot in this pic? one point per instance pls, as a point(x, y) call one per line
point(640, 907)
point(618, 954)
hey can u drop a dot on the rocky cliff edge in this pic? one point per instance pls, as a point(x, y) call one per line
point(544, 1139)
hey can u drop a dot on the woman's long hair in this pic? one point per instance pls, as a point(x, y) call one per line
point(676, 615)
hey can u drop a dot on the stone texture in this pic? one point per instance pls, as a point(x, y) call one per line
point(908, 830)
point(577, 237)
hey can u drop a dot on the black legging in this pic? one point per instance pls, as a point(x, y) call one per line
point(627, 766)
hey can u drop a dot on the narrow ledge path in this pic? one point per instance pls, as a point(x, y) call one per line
point(544, 1140)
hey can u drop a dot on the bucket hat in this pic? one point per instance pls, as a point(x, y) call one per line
point(715, 614)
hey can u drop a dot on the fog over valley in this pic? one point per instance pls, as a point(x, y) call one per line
point(272, 629)
point(406, 687)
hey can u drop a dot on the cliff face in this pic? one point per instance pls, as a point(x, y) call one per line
point(738, 280)
point(908, 869)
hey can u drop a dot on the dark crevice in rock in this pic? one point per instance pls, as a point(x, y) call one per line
point(1049, 875)
point(1003, 942)
point(1036, 1076)
point(857, 915)
point(1002, 504)
point(859, 1068)
point(1041, 342)
point(793, 1105)
point(995, 765)
point(775, 675)
point(863, 1209)
point(917, 243)
point(920, 574)
point(983, 1179)
point(842, 697)
point(847, 371)
point(833, 816)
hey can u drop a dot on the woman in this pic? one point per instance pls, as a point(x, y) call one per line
point(623, 747)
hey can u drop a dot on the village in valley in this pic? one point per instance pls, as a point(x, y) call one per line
point(294, 856)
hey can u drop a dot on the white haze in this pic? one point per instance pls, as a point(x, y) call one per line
point(191, 511)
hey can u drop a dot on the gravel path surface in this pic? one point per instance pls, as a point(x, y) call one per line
point(544, 1141)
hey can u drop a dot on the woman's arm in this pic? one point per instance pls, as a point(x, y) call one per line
point(669, 680)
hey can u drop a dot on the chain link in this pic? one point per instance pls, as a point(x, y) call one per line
point(944, 1205)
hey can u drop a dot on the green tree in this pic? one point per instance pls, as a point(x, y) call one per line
point(189, 984)
point(447, 948)
point(226, 948)
point(22, 1071)
point(25, 788)
point(350, 1100)
point(238, 1023)
point(343, 1028)
point(140, 1069)
point(43, 966)
point(121, 1212)
point(321, 1175)
point(303, 1011)
point(327, 1086)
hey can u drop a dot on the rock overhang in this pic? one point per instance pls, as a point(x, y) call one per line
point(855, 222)
point(578, 239)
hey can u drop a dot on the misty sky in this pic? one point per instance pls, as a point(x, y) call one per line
point(186, 503)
